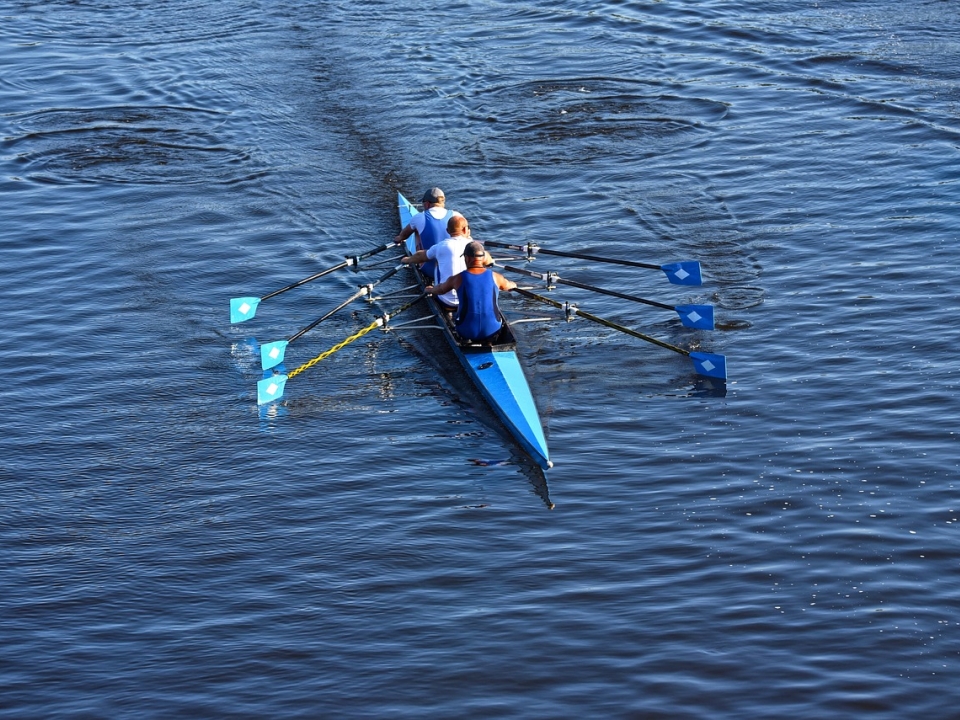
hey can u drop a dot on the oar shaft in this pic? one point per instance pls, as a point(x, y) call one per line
point(348, 262)
point(297, 284)
point(594, 258)
point(613, 293)
point(359, 293)
point(389, 273)
point(379, 322)
point(541, 298)
point(584, 286)
point(579, 256)
point(634, 333)
point(602, 321)
point(370, 253)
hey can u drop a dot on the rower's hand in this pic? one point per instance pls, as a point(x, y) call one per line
point(428, 290)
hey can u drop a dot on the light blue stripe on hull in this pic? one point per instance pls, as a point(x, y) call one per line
point(407, 211)
point(503, 383)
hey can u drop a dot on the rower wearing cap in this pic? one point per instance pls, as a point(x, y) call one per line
point(447, 256)
point(478, 315)
point(430, 226)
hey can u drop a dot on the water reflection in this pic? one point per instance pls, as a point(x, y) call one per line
point(708, 387)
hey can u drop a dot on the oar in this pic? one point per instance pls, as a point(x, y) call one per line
point(244, 308)
point(707, 364)
point(272, 353)
point(685, 272)
point(271, 388)
point(692, 316)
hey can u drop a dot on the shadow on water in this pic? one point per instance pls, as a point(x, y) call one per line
point(525, 466)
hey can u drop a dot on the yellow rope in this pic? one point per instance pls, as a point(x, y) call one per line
point(339, 346)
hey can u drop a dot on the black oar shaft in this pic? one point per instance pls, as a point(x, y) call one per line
point(614, 293)
point(634, 333)
point(541, 298)
point(579, 256)
point(602, 321)
point(297, 284)
point(339, 266)
point(359, 293)
point(371, 253)
point(595, 258)
point(379, 322)
point(584, 286)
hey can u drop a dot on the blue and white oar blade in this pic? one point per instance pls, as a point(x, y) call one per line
point(710, 365)
point(685, 272)
point(696, 316)
point(243, 308)
point(272, 353)
point(270, 389)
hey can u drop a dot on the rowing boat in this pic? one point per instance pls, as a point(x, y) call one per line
point(494, 368)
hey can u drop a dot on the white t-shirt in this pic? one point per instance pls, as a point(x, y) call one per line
point(449, 256)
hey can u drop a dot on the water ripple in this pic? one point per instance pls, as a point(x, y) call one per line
point(141, 145)
point(778, 545)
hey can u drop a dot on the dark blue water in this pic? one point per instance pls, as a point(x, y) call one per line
point(784, 545)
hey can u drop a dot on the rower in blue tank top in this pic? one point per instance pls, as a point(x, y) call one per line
point(430, 226)
point(478, 287)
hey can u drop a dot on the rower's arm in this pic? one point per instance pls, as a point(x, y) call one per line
point(451, 283)
point(503, 283)
point(420, 256)
point(404, 234)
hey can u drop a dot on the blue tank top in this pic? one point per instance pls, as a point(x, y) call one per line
point(478, 315)
point(434, 231)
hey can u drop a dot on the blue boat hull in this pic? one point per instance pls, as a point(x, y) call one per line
point(497, 373)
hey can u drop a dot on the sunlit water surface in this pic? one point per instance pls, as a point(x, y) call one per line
point(784, 545)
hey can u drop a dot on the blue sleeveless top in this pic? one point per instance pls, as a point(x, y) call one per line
point(434, 231)
point(478, 315)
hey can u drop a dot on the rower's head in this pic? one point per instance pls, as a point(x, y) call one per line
point(433, 196)
point(457, 225)
point(474, 254)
